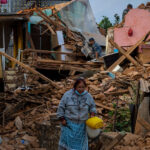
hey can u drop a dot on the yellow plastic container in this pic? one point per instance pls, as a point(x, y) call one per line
point(95, 123)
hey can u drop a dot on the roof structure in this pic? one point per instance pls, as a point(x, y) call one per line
point(12, 17)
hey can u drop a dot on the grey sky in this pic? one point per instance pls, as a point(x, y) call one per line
point(110, 7)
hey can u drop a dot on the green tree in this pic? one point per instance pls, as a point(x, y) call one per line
point(105, 23)
point(117, 19)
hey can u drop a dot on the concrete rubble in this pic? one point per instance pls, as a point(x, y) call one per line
point(30, 99)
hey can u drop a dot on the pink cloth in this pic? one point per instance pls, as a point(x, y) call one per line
point(139, 21)
point(3, 1)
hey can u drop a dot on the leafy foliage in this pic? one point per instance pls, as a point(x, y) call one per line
point(105, 23)
point(122, 120)
point(117, 19)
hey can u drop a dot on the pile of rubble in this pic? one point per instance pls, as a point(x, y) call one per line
point(129, 142)
point(23, 109)
point(143, 6)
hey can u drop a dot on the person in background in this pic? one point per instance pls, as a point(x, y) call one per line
point(96, 48)
point(129, 7)
point(74, 109)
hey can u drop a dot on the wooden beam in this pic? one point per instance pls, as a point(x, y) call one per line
point(71, 68)
point(114, 142)
point(105, 107)
point(45, 17)
point(1, 69)
point(144, 86)
point(50, 28)
point(26, 38)
point(30, 39)
point(65, 67)
point(29, 68)
point(43, 20)
point(119, 92)
point(124, 53)
point(144, 123)
point(44, 31)
point(65, 62)
point(122, 58)
point(51, 52)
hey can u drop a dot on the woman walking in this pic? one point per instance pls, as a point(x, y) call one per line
point(74, 109)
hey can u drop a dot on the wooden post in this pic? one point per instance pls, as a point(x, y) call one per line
point(124, 53)
point(143, 117)
point(48, 134)
point(1, 70)
point(20, 36)
point(29, 68)
point(137, 100)
point(15, 45)
point(114, 142)
point(115, 116)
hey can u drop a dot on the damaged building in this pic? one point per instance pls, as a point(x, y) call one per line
point(44, 48)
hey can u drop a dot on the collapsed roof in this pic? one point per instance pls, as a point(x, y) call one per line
point(77, 15)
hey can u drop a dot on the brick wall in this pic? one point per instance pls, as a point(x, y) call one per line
point(17, 5)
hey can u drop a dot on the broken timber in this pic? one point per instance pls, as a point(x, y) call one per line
point(122, 58)
point(28, 68)
point(50, 29)
point(114, 142)
point(103, 106)
point(124, 53)
point(30, 39)
point(65, 62)
point(51, 52)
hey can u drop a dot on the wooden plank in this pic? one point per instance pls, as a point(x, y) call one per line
point(122, 58)
point(103, 106)
point(137, 102)
point(1, 69)
point(29, 68)
point(65, 62)
point(131, 92)
point(144, 86)
point(72, 72)
point(144, 123)
point(143, 115)
point(40, 22)
point(45, 17)
point(26, 38)
point(44, 31)
point(72, 68)
point(124, 53)
point(60, 67)
point(114, 142)
point(30, 39)
point(119, 92)
point(51, 52)
point(50, 29)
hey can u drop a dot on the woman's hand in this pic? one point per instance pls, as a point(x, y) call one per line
point(63, 122)
point(92, 114)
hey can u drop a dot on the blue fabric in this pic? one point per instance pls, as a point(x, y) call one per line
point(97, 48)
point(79, 93)
point(74, 136)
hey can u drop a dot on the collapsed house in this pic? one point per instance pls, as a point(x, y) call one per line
point(51, 41)
point(52, 38)
point(129, 34)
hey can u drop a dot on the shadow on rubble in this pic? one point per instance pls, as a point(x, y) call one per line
point(55, 75)
point(1, 85)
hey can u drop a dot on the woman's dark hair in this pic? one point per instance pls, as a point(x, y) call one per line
point(78, 81)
